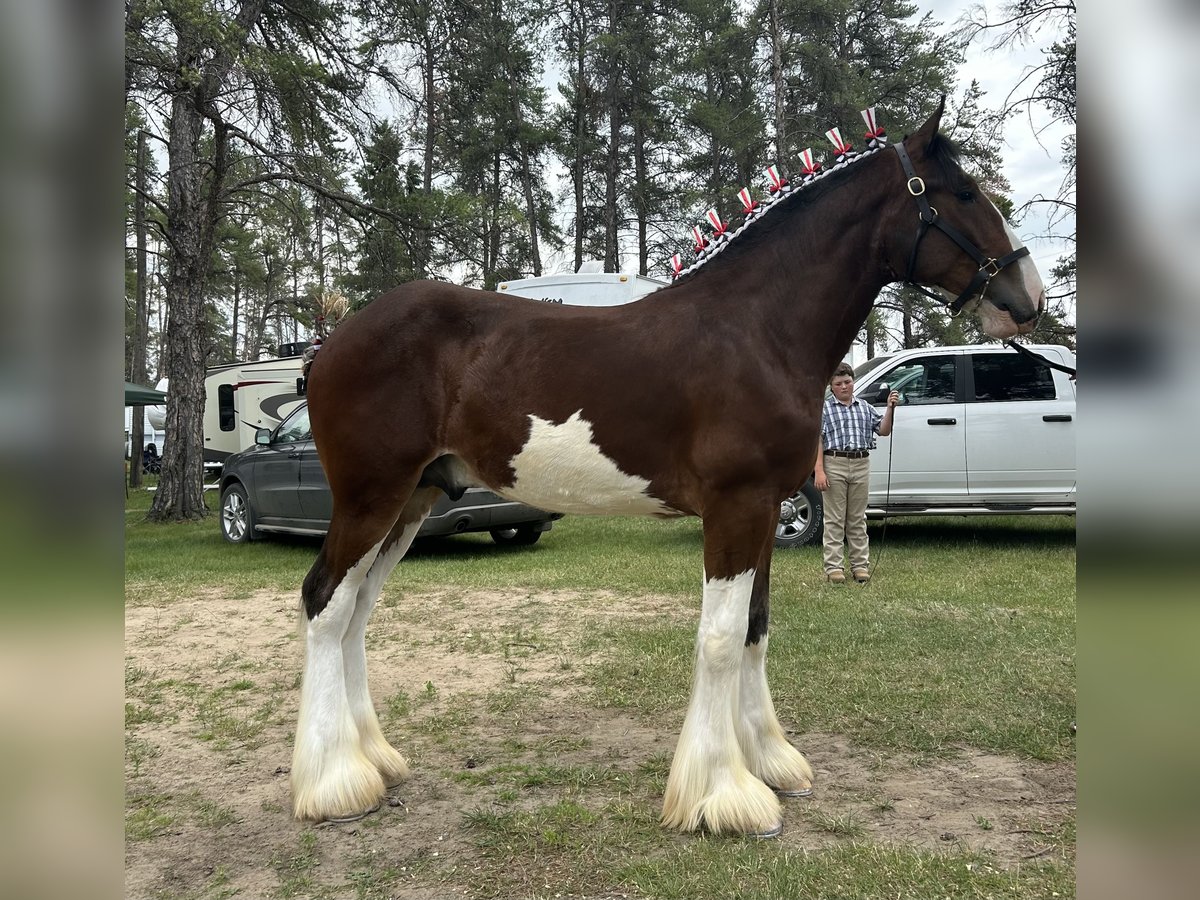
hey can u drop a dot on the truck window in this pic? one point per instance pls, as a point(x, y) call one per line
point(870, 365)
point(923, 381)
point(1001, 377)
point(226, 414)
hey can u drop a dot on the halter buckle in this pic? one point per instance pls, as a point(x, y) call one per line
point(991, 268)
point(920, 184)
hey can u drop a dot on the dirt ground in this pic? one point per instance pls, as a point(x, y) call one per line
point(212, 689)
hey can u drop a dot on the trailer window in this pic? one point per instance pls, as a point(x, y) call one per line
point(226, 414)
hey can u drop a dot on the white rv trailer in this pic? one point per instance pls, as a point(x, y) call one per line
point(240, 398)
point(583, 288)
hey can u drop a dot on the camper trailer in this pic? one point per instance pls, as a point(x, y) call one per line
point(583, 288)
point(240, 398)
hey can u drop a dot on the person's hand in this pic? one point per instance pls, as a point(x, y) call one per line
point(820, 481)
point(893, 399)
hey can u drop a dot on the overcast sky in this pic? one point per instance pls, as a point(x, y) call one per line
point(1032, 145)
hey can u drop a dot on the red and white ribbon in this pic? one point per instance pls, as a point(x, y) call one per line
point(835, 138)
point(806, 158)
point(701, 241)
point(749, 204)
point(873, 128)
point(714, 218)
point(676, 265)
point(775, 182)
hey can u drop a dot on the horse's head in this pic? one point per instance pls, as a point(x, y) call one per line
point(953, 238)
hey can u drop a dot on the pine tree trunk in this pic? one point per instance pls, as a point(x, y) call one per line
point(425, 239)
point(714, 148)
point(492, 234)
point(180, 494)
point(780, 86)
point(527, 184)
point(237, 300)
point(191, 223)
point(141, 325)
point(319, 210)
point(580, 132)
point(611, 256)
point(640, 186)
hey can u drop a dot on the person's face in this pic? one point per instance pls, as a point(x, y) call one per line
point(843, 388)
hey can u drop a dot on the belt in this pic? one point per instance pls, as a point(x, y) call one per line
point(848, 454)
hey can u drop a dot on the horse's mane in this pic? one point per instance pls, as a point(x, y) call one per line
point(942, 151)
point(780, 214)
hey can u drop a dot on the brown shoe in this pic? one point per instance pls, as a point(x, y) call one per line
point(837, 576)
point(862, 576)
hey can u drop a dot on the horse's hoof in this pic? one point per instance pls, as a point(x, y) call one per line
point(803, 792)
point(767, 835)
point(344, 820)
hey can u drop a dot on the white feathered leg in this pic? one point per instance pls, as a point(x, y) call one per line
point(768, 753)
point(390, 763)
point(331, 776)
point(709, 784)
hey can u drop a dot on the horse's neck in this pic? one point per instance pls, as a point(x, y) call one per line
point(805, 293)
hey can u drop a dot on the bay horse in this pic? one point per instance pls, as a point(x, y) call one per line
point(702, 399)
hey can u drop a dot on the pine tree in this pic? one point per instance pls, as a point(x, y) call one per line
point(387, 253)
point(281, 81)
point(722, 139)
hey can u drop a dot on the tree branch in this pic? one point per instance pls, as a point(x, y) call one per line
point(290, 173)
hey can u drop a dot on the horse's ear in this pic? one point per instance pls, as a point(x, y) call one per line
point(927, 133)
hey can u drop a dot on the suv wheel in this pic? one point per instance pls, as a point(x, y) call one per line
point(237, 518)
point(800, 518)
point(519, 536)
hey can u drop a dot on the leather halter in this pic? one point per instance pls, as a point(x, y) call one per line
point(989, 267)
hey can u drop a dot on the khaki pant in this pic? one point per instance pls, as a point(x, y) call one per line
point(846, 511)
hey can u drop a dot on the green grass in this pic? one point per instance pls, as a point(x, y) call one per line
point(965, 639)
point(575, 847)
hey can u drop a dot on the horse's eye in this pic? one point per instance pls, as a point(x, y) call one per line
point(966, 196)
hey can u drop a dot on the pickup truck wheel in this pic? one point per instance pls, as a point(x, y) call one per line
point(800, 518)
point(237, 518)
point(520, 536)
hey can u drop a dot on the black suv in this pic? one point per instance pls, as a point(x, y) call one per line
point(278, 485)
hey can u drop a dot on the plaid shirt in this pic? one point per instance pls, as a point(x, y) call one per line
point(850, 427)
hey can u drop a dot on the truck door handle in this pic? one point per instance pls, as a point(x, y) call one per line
point(295, 454)
point(1062, 417)
point(942, 421)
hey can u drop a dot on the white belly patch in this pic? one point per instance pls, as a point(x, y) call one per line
point(561, 469)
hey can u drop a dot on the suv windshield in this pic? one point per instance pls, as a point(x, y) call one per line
point(293, 428)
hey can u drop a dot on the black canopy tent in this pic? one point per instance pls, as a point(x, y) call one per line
point(136, 395)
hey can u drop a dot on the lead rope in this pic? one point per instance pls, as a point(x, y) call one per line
point(887, 497)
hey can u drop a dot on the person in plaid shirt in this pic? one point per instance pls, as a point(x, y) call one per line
point(843, 472)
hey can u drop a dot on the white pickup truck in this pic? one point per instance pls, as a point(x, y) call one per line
point(980, 430)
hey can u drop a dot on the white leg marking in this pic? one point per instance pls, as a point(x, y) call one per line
point(709, 783)
point(331, 777)
point(391, 765)
point(768, 753)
